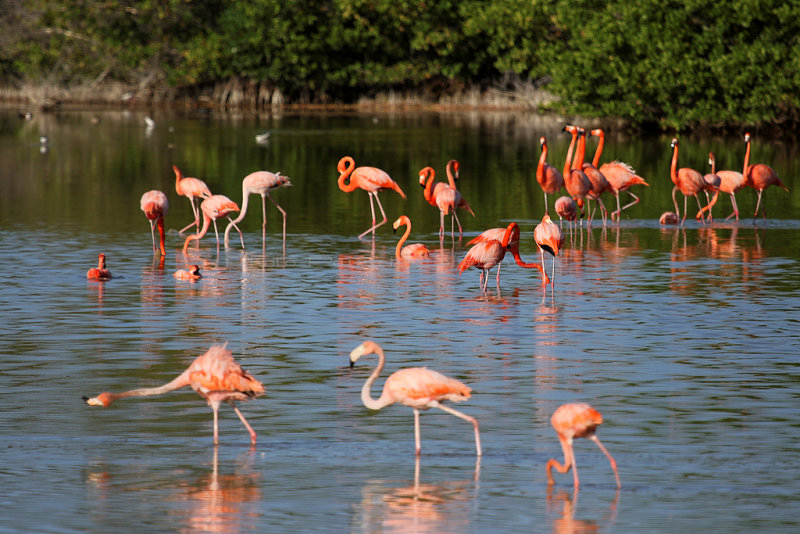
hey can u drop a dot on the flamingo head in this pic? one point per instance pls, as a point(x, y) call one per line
point(195, 270)
point(596, 132)
point(367, 347)
point(403, 219)
point(424, 174)
point(542, 142)
point(747, 137)
point(104, 399)
point(674, 143)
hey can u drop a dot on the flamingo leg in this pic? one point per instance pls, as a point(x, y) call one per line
point(196, 221)
point(700, 208)
point(566, 446)
point(629, 204)
point(465, 417)
point(264, 218)
point(441, 224)
point(675, 201)
point(610, 458)
point(763, 210)
point(241, 238)
point(454, 216)
point(283, 212)
point(153, 234)
point(372, 208)
point(685, 208)
point(418, 448)
point(215, 407)
point(246, 424)
point(545, 204)
point(735, 208)
point(619, 210)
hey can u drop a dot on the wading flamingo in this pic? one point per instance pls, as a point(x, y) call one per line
point(548, 237)
point(190, 188)
point(549, 178)
point(730, 182)
point(620, 176)
point(193, 273)
point(370, 179)
point(566, 209)
point(419, 388)
point(214, 376)
point(213, 208)
point(486, 254)
point(759, 177)
point(260, 183)
point(578, 420)
point(575, 181)
point(444, 196)
point(668, 217)
point(155, 205)
point(713, 181)
point(688, 181)
point(100, 272)
point(416, 250)
point(497, 234)
point(597, 181)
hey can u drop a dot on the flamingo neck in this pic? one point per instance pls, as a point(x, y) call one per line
point(350, 186)
point(673, 169)
point(199, 235)
point(178, 176)
point(599, 150)
point(402, 241)
point(177, 383)
point(450, 179)
point(746, 162)
point(569, 154)
point(542, 163)
point(580, 154)
point(366, 398)
point(161, 234)
point(428, 191)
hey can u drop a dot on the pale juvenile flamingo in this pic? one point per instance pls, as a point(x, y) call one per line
point(620, 176)
point(759, 177)
point(370, 179)
point(549, 178)
point(497, 234)
point(100, 272)
point(597, 181)
point(688, 181)
point(260, 183)
point(575, 181)
point(486, 254)
point(578, 420)
point(566, 209)
point(213, 208)
point(190, 188)
point(416, 250)
point(193, 273)
point(215, 376)
point(155, 206)
point(419, 388)
point(444, 196)
point(668, 217)
point(548, 237)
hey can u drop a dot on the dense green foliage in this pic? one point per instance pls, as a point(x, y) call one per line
point(654, 62)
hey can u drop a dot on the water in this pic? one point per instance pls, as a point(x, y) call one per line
point(686, 340)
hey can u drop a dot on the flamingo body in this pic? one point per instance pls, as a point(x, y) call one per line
point(620, 176)
point(193, 273)
point(155, 206)
point(548, 237)
point(566, 208)
point(213, 208)
point(688, 181)
point(100, 272)
point(759, 177)
point(260, 183)
point(444, 196)
point(486, 254)
point(370, 179)
point(496, 234)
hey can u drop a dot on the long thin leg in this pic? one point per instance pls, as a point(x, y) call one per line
point(763, 210)
point(264, 219)
point(700, 208)
point(610, 458)
point(685, 208)
point(441, 224)
point(246, 424)
point(215, 407)
point(196, 221)
point(153, 234)
point(619, 210)
point(629, 204)
point(454, 216)
point(735, 209)
point(553, 276)
point(383, 213)
point(241, 238)
point(469, 418)
point(675, 201)
point(283, 212)
point(418, 448)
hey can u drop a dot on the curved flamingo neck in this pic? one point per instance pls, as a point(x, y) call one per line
point(580, 154)
point(450, 178)
point(366, 398)
point(349, 165)
point(510, 229)
point(569, 153)
point(673, 169)
point(403, 239)
point(428, 191)
point(599, 150)
point(542, 163)
point(199, 235)
point(178, 176)
point(746, 159)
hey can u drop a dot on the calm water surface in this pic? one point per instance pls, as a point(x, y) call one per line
point(686, 340)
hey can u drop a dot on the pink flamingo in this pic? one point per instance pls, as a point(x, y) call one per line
point(213, 208)
point(688, 181)
point(713, 181)
point(575, 181)
point(419, 388)
point(549, 178)
point(190, 188)
point(215, 376)
point(486, 254)
point(620, 176)
point(497, 234)
point(370, 179)
point(759, 177)
point(730, 182)
point(566, 209)
point(417, 250)
point(155, 205)
point(193, 273)
point(578, 420)
point(548, 237)
point(444, 196)
point(260, 183)
point(100, 272)
point(597, 181)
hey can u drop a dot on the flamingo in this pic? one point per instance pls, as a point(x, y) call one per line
point(417, 250)
point(575, 181)
point(688, 181)
point(260, 183)
point(100, 272)
point(576, 420)
point(548, 237)
point(215, 376)
point(730, 182)
point(370, 179)
point(513, 247)
point(486, 254)
point(155, 205)
point(444, 196)
point(549, 178)
point(566, 208)
point(620, 176)
point(419, 388)
point(598, 183)
point(759, 177)
point(193, 273)
point(213, 208)
point(713, 181)
point(668, 217)
point(190, 188)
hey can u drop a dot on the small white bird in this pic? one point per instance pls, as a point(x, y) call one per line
point(149, 122)
point(262, 138)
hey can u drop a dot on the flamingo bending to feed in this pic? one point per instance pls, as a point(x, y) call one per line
point(416, 250)
point(566, 209)
point(100, 272)
point(419, 388)
point(578, 420)
point(549, 178)
point(512, 247)
point(370, 179)
point(260, 183)
point(193, 273)
point(688, 181)
point(213, 208)
point(620, 176)
point(215, 376)
point(668, 217)
point(486, 254)
point(759, 177)
point(190, 188)
point(446, 197)
point(548, 237)
point(155, 205)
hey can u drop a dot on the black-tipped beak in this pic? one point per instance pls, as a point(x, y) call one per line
point(85, 399)
point(352, 363)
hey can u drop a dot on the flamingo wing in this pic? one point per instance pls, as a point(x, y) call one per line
point(419, 386)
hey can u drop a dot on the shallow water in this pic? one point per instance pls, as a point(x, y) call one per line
point(685, 339)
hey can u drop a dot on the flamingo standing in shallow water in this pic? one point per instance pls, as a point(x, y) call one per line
point(688, 181)
point(575, 181)
point(260, 183)
point(213, 208)
point(548, 237)
point(486, 254)
point(370, 179)
point(215, 376)
point(549, 178)
point(100, 272)
point(497, 234)
point(416, 250)
point(578, 420)
point(419, 388)
point(446, 197)
point(759, 177)
point(193, 273)
point(713, 181)
point(620, 176)
point(155, 205)
point(190, 188)
point(598, 182)
point(566, 209)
